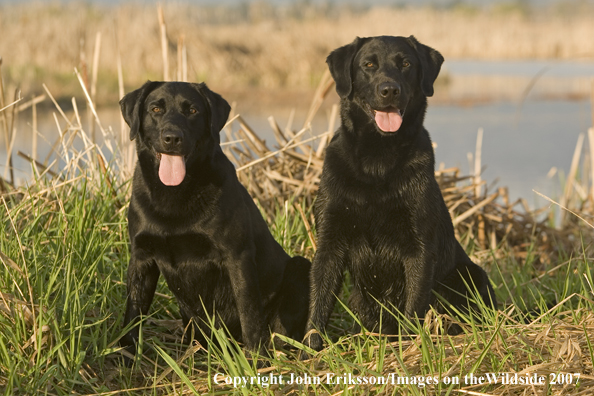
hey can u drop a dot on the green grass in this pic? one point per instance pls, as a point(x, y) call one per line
point(66, 250)
point(64, 255)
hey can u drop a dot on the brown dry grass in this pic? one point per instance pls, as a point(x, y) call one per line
point(43, 42)
point(482, 213)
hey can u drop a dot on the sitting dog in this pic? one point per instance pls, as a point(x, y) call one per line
point(192, 221)
point(379, 212)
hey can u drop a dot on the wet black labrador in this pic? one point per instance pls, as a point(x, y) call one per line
point(379, 212)
point(192, 221)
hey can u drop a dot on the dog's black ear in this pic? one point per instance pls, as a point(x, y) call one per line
point(132, 104)
point(340, 63)
point(431, 61)
point(219, 108)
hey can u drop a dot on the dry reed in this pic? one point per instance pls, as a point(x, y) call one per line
point(482, 215)
point(267, 49)
point(293, 168)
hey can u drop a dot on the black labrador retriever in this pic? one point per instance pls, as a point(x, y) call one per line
point(191, 220)
point(379, 211)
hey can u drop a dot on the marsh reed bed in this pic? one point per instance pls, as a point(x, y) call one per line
point(260, 45)
point(64, 253)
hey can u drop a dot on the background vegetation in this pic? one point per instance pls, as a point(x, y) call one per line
point(258, 44)
point(63, 238)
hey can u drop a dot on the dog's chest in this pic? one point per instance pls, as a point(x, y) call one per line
point(190, 263)
point(377, 226)
point(176, 249)
point(380, 237)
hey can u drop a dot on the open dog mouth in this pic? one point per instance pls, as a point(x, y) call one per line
point(388, 119)
point(172, 169)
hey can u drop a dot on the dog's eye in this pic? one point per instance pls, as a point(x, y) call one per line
point(405, 64)
point(193, 110)
point(156, 109)
point(369, 64)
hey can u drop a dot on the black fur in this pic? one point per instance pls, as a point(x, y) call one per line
point(205, 235)
point(379, 211)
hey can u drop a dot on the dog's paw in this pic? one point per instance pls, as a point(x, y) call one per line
point(126, 360)
point(129, 346)
point(314, 341)
point(260, 355)
point(127, 355)
point(303, 355)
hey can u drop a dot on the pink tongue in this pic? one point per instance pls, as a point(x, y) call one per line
point(388, 121)
point(172, 169)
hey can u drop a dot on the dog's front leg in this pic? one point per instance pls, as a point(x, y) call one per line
point(143, 276)
point(246, 289)
point(419, 272)
point(326, 278)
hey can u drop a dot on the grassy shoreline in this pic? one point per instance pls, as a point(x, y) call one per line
point(65, 254)
point(64, 247)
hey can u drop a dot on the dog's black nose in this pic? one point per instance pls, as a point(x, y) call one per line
point(172, 139)
point(389, 89)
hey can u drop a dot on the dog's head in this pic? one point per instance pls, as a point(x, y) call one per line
point(384, 75)
point(176, 124)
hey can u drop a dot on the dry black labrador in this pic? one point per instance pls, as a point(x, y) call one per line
point(379, 211)
point(192, 221)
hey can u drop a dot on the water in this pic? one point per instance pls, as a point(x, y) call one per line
point(520, 145)
point(534, 112)
point(526, 132)
point(50, 124)
point(527, 68)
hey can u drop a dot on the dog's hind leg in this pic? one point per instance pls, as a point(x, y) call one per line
point(465, 282)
